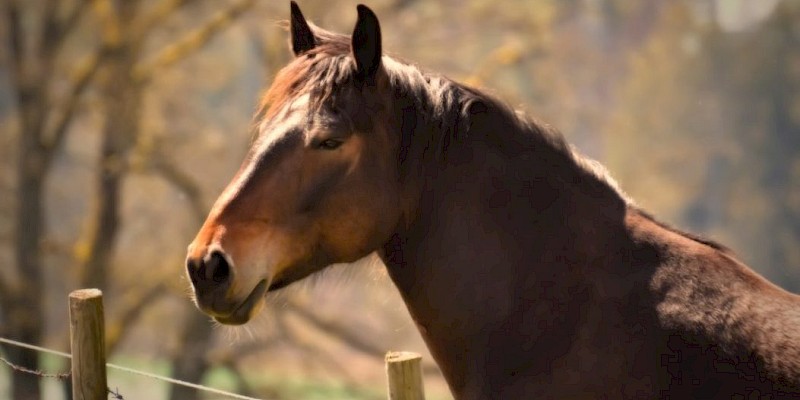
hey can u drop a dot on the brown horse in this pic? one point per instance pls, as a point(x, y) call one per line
point(528, 273)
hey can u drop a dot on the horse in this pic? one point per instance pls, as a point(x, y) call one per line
point(525, 268)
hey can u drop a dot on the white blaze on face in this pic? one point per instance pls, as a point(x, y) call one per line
point(261, 256)
point(270, 130)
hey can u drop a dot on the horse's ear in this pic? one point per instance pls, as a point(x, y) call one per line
point(366, 45)
point(302, 38)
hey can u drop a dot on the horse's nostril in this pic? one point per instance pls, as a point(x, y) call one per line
point(218, 267)
point(193, 270)
point(202, 272)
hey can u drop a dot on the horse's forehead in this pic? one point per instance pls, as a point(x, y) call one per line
point(292, 114)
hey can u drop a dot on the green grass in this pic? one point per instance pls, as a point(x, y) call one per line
point(270, 386)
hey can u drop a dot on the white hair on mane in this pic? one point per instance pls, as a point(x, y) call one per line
point(600, 171)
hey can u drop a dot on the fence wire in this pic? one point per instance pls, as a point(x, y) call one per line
point(116, 367)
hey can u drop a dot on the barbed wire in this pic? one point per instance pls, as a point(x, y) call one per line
point(60, 376)
point(115, 394)
point(112, 366)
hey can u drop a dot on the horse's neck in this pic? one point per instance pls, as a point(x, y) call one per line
point(496, 194)
point(492, 239)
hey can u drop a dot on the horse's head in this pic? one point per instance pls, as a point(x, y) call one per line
point(318, 186)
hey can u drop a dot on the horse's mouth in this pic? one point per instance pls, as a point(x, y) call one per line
point(248, 308)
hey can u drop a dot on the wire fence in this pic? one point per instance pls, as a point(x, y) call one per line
point(403, 372)
point(89, 367)
point(113, 393)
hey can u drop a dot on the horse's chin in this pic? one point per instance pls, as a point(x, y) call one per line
point(249, 307)
point(295, 273)
point(278, 284)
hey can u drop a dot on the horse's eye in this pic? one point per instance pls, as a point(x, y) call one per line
point(329, 144)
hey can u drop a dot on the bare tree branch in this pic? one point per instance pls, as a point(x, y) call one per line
point(81, 79)
point(155, 18)
point(151, 160)
point(71, 20)
point(192, 41)
point(349, 338)
point(51, 40)
point(314, 354)
point(51, 28)
point(183, 182)
point(338, 331)
point(134, 304)
point(104, 9)
point(17, 45)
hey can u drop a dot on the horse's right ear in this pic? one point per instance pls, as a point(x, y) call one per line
point(302, 37)
point(366, 43)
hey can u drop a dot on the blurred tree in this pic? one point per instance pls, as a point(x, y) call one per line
point(709, 134)
point(761, 68)
point(34, 50)
point(125, 76)
point(42, 130)
point(666, 102)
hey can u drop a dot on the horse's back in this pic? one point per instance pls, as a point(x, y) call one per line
point(722, 331)
point(670, 316)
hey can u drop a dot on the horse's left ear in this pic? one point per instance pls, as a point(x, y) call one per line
point(366, 44)
point(302, 38)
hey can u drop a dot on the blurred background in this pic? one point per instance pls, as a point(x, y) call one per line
point(122, 120)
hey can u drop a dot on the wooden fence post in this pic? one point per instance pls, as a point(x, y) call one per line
point(88, 345)
point(404, 373)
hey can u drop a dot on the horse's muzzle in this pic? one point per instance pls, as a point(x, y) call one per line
point(211, 278)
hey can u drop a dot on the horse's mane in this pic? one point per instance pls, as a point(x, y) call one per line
point(318, 72)
point(443, 105)
point(446, 107)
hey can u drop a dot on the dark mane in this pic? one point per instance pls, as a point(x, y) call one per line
point(446, 109)
point(319, 71)
point(440, 102)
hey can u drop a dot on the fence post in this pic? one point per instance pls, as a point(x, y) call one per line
point(404, 373)
point(88, 347)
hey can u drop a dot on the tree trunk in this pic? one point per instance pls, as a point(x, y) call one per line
point(189, 363)
point(26, 303)
point(31, 70)
point(122, 100)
